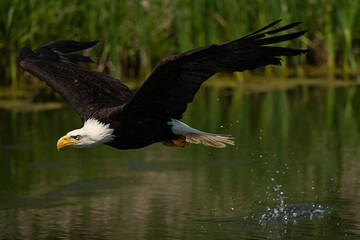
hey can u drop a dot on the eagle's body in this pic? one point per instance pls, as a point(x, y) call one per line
point(116, 116)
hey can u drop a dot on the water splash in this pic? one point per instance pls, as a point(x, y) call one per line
point(285, 213)
point(291, 213)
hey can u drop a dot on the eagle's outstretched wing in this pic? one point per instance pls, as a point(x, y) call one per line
point(170, 87)
point(86, 91)
point(174, 82)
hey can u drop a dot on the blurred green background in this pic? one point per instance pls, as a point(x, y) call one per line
point(136, 35)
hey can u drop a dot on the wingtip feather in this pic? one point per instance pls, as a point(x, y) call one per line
point(68, 46)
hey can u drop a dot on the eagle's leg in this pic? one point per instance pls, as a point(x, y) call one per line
point(180, 142)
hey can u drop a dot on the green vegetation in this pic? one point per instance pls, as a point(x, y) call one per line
point(136, 35)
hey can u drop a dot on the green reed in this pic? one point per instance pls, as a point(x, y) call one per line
point(347, 19)
point(136, 35)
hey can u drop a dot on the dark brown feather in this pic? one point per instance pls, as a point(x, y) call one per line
point(174, 82)
point(86, 91)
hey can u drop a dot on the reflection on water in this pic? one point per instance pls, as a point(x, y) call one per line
point(306, 139)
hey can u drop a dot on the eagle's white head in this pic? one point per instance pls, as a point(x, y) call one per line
point(93, 133)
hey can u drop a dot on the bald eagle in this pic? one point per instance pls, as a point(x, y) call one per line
point(116, 116)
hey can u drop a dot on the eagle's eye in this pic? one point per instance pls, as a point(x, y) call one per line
point(77, 137)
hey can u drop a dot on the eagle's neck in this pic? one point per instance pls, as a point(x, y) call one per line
point(98, 132)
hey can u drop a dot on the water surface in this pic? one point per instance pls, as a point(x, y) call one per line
point(293, 173)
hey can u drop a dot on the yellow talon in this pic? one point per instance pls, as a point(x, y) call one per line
point(180, 142)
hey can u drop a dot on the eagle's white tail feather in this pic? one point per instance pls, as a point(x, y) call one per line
point(195, 136)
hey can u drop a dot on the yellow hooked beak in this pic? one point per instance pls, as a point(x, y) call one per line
point(64, 142)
